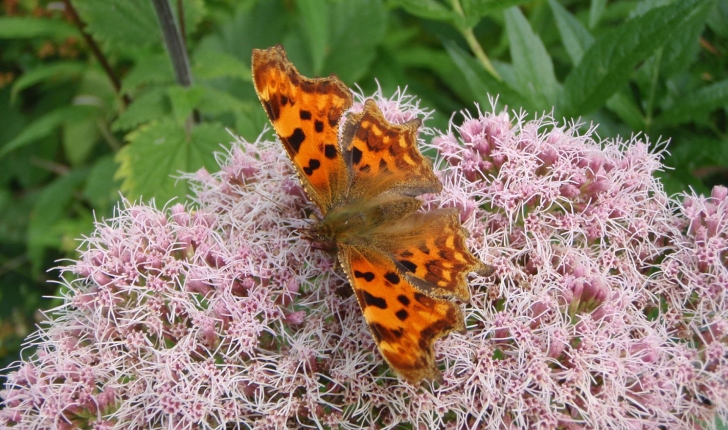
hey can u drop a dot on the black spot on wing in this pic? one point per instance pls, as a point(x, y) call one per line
point(375, 301)
point(305, 115)
point(272, 110)
point(284, 101)
point(319, 126)
point(296, 139)
point(330, 151)
point(356, 155)
point(402, 314)
point(424, 249)
point(382, 333)
point(408, 265)
point(392, 278)
point(368, 276)
point(403, 299)
point(313, 164)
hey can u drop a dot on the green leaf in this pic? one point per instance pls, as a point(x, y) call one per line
point(357, 27)
point(50, 208)
point(59, 71)
point(160, 151)
point(184, 101)
point(24, 28)
point(684, 45)
point(596, 9)
point(121, 23)
point(480, 8)
point(100, 187)
point(482, 83)
point(149, 106)
point(47, 124)
point(79, 139)
point(609, 63)
point(534, 70)
point(692, 106)
point(428, 9)
point(214, 102)
point(152, 69)
point(315, 24)
point(574, 35)
point(626, 109)
point(717, 19)
point(210, 65)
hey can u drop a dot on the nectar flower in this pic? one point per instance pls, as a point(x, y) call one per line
point(607, 307)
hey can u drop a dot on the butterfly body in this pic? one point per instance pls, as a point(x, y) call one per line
point(404, 265)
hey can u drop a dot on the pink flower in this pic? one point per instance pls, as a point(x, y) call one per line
point(607, 307)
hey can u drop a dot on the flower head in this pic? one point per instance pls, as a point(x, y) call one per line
point(607, 307)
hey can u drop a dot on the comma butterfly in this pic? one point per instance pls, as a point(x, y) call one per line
point(404, 265)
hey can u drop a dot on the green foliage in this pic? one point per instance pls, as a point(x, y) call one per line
point(74, 134)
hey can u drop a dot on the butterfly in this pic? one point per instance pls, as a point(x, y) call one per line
point(365, 174)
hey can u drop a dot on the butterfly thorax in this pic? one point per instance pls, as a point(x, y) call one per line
point(356, 222)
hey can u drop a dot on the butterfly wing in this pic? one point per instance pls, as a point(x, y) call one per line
point(429, 248)
point(403, 321)
point(305, 114)
point(384, 157)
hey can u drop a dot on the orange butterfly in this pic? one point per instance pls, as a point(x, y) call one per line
point(404, 265)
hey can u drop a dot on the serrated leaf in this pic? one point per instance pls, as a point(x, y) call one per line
point(481, 8)
point(158, 152)
point(152, 69)
point(682, 49)
point(122, 23)
point(532, 64)
point(209, 64)
point(149, 106)
point(574, 35)
point(100, 187)
point(609, 63)
point(47, 124)
point(194, 13)
point(482, 83)
point(315, 25)
point(59, 71)
point(184, 100)
point(12, 27)
point(79, 139)
point(214, 102)
point(692, 106)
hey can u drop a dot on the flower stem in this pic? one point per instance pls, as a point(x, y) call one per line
point(100, 57)
point(177, 50)
point(473, 42)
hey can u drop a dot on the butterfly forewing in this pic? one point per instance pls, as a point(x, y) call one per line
point(305, 114)
point(384, 156)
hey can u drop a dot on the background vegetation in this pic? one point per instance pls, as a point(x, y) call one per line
point(90, 108)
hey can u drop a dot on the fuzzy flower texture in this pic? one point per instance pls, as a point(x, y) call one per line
point(607, 309)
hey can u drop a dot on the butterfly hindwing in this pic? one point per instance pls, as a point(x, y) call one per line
point(403, 321)
point(305, 114)
point(429, 247)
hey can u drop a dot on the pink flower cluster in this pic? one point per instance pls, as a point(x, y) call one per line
point(608, 307)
